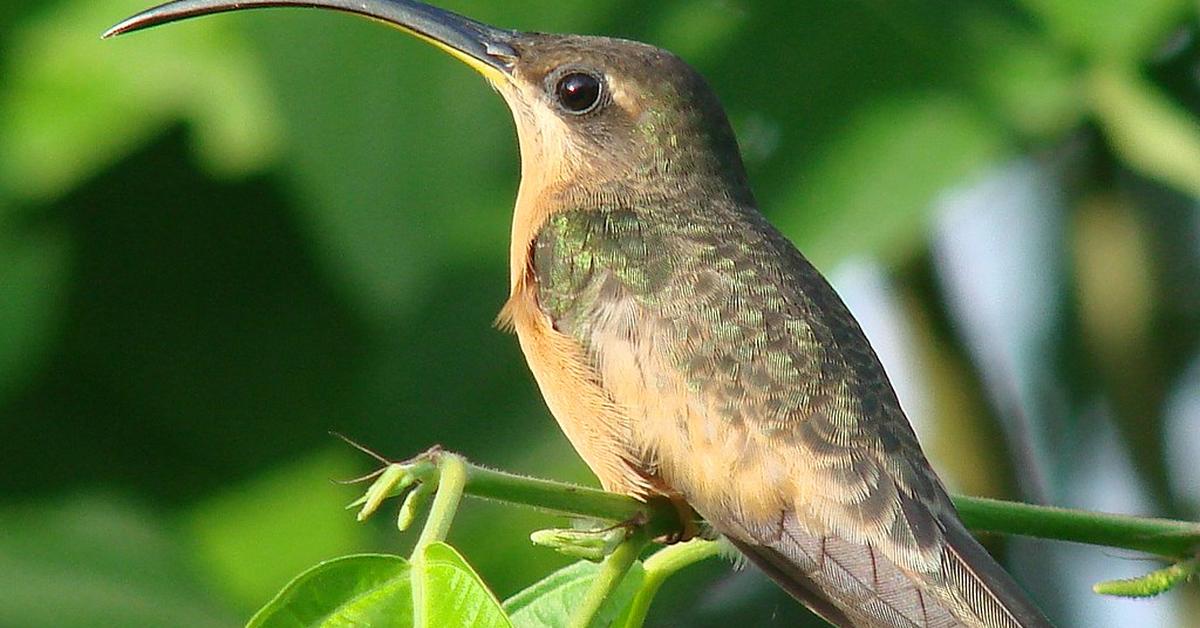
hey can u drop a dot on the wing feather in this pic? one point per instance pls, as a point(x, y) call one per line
point(752, 391)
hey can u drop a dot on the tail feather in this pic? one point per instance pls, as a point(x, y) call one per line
point(785, 572)
point(982, 585)
point(853, 584)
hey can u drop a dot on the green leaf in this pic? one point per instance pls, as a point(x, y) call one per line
point(70, 103)
point(694, 30)
point(871, 189)
point(551, 601)
point(1110, 29)
point(450, 593)
point(1032, 83)
point(1152, 134)
point(362, 590)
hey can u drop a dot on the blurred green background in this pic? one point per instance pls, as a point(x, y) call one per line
point(221, 239)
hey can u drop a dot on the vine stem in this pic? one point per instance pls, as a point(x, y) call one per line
point(659, 516)
point(1162, 537)
point(452, 478)
point(662, 565)
point(612, 572)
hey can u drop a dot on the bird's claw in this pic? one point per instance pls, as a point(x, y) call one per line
point(689, 528)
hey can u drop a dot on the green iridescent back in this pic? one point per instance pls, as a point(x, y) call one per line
point(749, 323)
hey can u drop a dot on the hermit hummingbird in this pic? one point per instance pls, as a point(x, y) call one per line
point(686, 348)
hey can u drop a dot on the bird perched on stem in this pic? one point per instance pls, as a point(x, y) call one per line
point(688, 349)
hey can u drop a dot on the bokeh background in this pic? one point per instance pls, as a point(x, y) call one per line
point(221, 239)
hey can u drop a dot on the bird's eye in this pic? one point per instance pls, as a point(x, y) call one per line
point(578, 92)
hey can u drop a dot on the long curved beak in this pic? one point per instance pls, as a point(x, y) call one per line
point(480, 46)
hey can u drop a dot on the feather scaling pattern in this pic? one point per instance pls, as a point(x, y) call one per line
point(749, 389)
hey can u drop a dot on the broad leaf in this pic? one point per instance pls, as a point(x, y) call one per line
point(552, 600)
point(361, 590)
point(452, 594)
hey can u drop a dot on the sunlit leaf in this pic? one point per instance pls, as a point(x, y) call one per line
point(71, 103)
point(362, 590)
point(1154, 135)
point(551, 601)
point(452, 594)
point(1109, 29)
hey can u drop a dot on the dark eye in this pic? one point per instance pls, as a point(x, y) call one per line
point(578, 92)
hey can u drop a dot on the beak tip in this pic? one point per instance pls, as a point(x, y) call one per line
point(120, 28)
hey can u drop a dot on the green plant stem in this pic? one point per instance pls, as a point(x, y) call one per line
point(453, 471)
point(660, 516)
point(1176, 539)
point(451, 477)
point(662, 565)
point(1163, 537)
point(612, 571)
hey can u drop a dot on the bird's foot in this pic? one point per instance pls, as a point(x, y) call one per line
point(590, 544)
point(416, 479)
point(688, 526)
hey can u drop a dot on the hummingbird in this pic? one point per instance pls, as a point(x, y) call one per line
point(686, 348)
